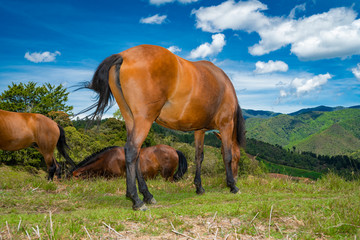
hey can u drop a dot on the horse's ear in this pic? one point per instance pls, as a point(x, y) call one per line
point(218, 135)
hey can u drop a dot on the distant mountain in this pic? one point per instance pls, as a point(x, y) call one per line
point(357, 106)
point(332, 131)
point(316, 109)
point(248, 113)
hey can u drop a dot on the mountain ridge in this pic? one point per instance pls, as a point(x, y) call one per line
point(250, 113)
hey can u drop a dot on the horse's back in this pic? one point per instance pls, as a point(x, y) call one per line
point(149, 164)
point(167, 158)
point(115, 161)
point(188, 95)
point(20, 130)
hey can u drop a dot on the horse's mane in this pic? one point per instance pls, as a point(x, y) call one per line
point(92, 158)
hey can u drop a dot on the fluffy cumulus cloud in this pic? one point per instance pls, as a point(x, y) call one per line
point(209, 49)
point(271, 66)
point(301, 86)
point(38, 57)
point(156, 19)
point(174, 49)
point(331, 34)
point(160, 2)
point(231, 15)
point(356, 71)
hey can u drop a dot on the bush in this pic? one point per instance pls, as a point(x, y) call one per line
point(24, 157)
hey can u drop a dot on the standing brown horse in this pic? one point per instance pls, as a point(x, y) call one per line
point(151, 84)
point(22, 130)
point(153, 160)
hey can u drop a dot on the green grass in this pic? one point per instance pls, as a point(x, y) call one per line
point(291, 171)
point(327, 208)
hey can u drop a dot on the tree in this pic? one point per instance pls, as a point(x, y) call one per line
point(36, 99)
point(60, 118)
point(117, 114)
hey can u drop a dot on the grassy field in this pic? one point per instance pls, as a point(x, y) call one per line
point(33, 208)
point(291, 171)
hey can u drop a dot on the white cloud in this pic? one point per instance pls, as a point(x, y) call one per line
point(159, 2)
point(38, 57)
point(331, 34)
point(283, 93)
point(231, 15)
point(297, 8)
point(156, 19)
point(209, 49)
point(271, 66)
point(174, 49)
point(356, 71)
point(301, 86)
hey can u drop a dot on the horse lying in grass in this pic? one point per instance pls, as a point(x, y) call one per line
point(150, 83)
point(110, 162)
point(22, 130)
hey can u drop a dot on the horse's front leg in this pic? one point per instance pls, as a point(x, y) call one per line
point(199, 157)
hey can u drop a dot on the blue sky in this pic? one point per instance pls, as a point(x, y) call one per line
point(280, 55)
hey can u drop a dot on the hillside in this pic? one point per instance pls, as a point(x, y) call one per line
point(333, 141)
point(331, 133)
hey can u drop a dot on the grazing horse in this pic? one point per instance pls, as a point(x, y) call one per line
point(149, 84)
point(110, 161)
point(22, 130)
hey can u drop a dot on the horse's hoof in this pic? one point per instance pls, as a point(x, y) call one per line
point(142, 208)
point(200, 191)
point(151, 201)
point(235, 190)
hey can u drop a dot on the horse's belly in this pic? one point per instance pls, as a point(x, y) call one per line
point(183, 118)
point(15, 143)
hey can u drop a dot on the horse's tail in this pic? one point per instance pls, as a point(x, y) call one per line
point(240, 128)
point(182, 168)
point(62, 145)
point(100, 84)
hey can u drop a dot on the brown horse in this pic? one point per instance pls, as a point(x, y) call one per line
point(22, 130)
point(153, 160)
point(151, 84)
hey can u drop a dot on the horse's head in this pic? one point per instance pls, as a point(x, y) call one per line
point(77, 173)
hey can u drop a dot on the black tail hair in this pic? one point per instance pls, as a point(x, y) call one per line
point(240, 128)
point(100, 84)
point(62, 145)
point(182, 168)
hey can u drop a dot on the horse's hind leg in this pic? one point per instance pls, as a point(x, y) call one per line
point(51, 164)
point(199, 157)
point(226, 140)
point(51, 170)
point(52, 167)
point(135, 138)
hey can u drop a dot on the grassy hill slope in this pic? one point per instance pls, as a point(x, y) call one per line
point(335, 140)
point(289, 131)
